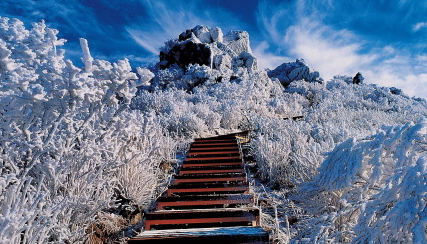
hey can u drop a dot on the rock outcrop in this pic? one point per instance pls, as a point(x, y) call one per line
point(205, 46)
point(358, 78)
point(292, 71)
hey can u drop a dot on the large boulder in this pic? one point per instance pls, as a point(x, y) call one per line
point(292, 71)
point(204, 46)
point(186, 53)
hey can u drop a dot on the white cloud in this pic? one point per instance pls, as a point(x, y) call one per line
point(143, 40)
point(267, 59)
point(167, 19)
point(419, 26)
point(331, 51)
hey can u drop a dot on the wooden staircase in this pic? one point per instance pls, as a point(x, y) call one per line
point(209, 201)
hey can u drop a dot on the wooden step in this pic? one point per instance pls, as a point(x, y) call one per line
point(216, 137)
point(203, 201)
point(197, 218)
point(211, 158)
point(213, 149)
point(211, 164)
point(216, 144)
point(208, 188)
point(199, 171)
point(222, 235)
point(210, 178)
point(199, 141)
point(222, 152)
point(212, 167)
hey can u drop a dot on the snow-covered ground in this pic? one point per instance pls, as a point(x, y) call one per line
point(77, 146)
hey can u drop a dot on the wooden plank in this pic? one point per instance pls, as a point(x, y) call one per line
point(212, 167)
point(214, 140)
point(209, 149)
point(198, 164)
point(203, 213)
point(211, 158)
point(210, 171)
point(226, 179)
point(214, 144)
point(222, 152)
point(207, 185)
point(180, 213)
point(223, 235)
point(161, 205)
point(211, 190)
point(210, 178)
point(150, 223)
point(203, 200)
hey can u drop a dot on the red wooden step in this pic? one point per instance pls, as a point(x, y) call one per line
point(211, 158)
point(190, 167)
point(209, 149)
point(217, 137)
point(222, 235)
point(233, 140)
point(195, 218)
point(210, 164)
point(213, 144)
point(203, 201)
point(202, 153)
point(210, 178)
point(208, 188)
point(222, 179)
point(210, 171)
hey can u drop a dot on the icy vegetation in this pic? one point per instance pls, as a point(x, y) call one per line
point(85, 151)
point(69, 145)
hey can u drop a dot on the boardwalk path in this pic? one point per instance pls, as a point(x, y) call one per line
point(209, 201)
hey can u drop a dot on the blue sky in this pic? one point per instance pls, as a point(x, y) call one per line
point(386, 40)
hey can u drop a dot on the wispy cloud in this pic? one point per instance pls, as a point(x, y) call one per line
point(266, 59)
point(305, 29)
point(167, 19)
point(67, 16)
point(419, 26)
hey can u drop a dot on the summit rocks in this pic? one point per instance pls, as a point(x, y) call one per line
point(209, 46)
point(205, 56)
point(292, 71)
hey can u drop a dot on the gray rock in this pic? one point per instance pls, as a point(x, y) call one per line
point(238, 41)
point(292, 71)
point(216, 34)
point(245, 60)
point(204, 46)
point(188, 52)
point(203, 33)
point(222, 62)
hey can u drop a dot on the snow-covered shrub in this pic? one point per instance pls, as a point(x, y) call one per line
point(285, 153)
point(68, 142)
point(373, 189)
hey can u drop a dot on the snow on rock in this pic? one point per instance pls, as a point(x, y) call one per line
point(203, 33)
point(225, 56)
point(245, 60)
point(238, 41)
point(204, 46)
point(292, 71)
point(216, 34)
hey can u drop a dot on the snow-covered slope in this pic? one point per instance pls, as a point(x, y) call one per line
point(75, 141)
